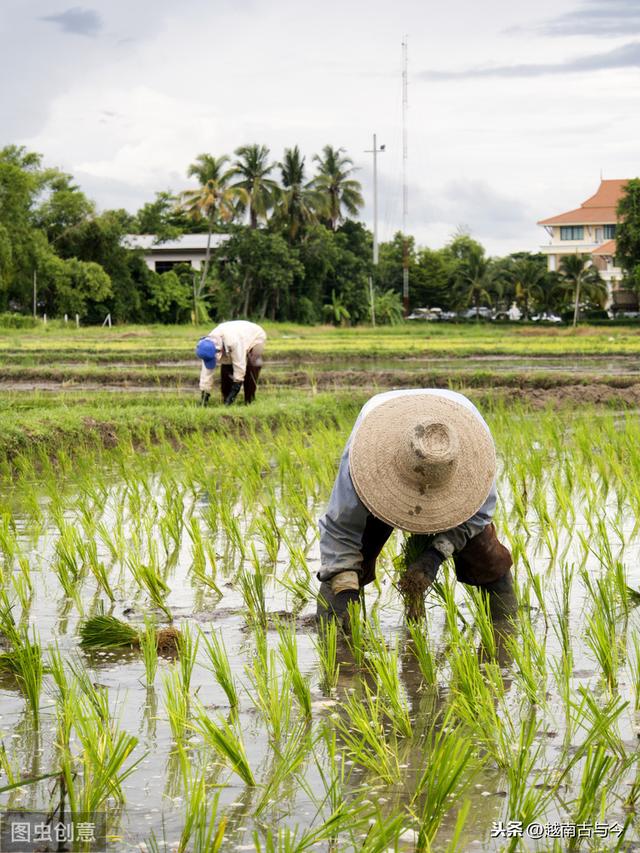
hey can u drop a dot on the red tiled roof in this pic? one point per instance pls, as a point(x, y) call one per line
point(599, 208)
point(606, 248)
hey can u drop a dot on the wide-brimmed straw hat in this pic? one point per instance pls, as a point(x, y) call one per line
point(422, 462)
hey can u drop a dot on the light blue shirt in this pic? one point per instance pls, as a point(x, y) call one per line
point(342, 526)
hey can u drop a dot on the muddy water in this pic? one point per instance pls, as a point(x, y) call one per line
point(154, 795)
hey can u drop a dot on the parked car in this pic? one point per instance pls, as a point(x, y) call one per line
point(546, 318)
point(481, 312)
point(425, 314)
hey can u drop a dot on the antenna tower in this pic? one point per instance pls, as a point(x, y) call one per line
point(405, 188)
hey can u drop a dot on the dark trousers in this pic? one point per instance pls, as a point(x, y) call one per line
point(484, 559)
point(250, 384)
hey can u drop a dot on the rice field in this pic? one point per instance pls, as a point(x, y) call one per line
point(204, 710)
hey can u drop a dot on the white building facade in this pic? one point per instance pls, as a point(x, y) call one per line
point(186, 249)
point(591, 230)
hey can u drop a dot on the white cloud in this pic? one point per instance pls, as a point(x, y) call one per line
point(128, 109)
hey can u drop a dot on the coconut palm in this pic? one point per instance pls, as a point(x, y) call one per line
point(473, 280)
point(336, 188)
point(253, 167)
point(215, 200)
point(528, 278)
point(578, 274)
point(297, 200)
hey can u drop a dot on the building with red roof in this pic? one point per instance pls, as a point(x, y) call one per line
point(591, 230)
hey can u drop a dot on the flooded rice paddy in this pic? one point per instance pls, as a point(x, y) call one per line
point(260, 733)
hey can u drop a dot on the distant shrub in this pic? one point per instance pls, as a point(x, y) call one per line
point(9, 320)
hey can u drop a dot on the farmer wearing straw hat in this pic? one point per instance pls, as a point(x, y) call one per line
point(238, 345)
point(424, 461)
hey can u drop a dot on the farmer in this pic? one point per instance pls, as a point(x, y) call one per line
point(238, 346)
point(424, 461)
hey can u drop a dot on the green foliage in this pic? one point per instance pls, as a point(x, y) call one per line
point(388, 308)
point(628, 232)
point(10, 320)
point(76, 284)
point(171, 295)
point(257, 274)
point(164, 218)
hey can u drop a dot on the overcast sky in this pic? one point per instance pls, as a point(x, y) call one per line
point(514, 108)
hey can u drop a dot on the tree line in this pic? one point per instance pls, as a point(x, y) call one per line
point(294, 250)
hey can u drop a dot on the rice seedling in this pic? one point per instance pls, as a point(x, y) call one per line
point(148, 641)
point(187, 653)
point(382, 663)
point(226, 740)
point(176, 703)
point(88, 552)
point(480, 608)
point(252, 588)
point(23, 589)
point(287, 763)
point(270, 689)
point(327, 648)
point(232, 528)
point(600, 724)
point(8, 543)
point(269, 530)
point(420, 648)
point(148, 578)
point(98, 773)
point(355, 636)
point(201, 826)
point(478, 702)
point(450, 765)
point(24, 661)
point(364, 736)
point(202, 551)
point(289, 656)
point(530, 657)
point(216, 651)
point(598, 777)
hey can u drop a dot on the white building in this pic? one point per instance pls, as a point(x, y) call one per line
point(590, 230)
point(187, 249)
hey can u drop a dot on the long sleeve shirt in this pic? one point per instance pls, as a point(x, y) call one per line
point(342, 526)
point(233, 340)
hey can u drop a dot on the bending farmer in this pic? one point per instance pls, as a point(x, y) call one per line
point(238, 345)
point(423, 461)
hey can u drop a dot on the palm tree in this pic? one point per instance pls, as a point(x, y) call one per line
point(336, 188)
point(578, 274)
point(253, 167)
point(474, 277)
point(297, 200)
point(214, 200)
point(528, 278)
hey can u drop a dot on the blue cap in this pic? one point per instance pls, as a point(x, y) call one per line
point(206, 350)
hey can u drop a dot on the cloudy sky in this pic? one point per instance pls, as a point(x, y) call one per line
point(515, 109)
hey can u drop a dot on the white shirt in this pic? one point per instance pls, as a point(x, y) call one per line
point(233, 340)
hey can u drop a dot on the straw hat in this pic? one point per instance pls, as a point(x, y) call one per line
point(422, 462)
